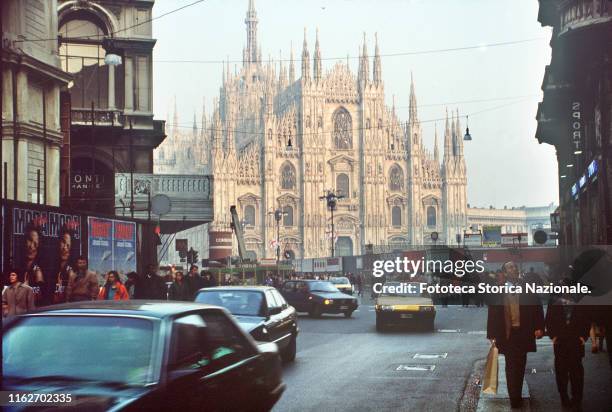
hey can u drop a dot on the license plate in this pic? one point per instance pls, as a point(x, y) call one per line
point(406, 315)
point(343, 307)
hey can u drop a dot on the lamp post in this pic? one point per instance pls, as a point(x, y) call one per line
point(278, 216)
point(331, 200)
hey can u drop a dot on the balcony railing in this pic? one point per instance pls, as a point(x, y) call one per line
point(101, 117)
point(190, 195)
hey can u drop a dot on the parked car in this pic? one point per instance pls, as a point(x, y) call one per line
point(260, 311)
point(136, 355)
point(404, 308)
point(343, 284)
point(317, 297)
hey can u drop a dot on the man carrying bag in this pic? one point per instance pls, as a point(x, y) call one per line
point(514, 322)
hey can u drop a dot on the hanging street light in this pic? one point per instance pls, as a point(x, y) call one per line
point(112, 58)
point(467, 136)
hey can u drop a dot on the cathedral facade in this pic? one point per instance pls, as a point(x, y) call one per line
point(278, 141)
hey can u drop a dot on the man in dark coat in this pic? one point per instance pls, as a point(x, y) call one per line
point(150, 286)
point(194, 281)
point(514, 322)
point(568, 324)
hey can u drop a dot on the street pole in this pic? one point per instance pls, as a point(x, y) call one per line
point(332, 232)
point(278, 216)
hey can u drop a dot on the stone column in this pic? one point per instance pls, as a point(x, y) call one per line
point(22, 143)
point(129, 84)
point(111, 87)
point(52, 178)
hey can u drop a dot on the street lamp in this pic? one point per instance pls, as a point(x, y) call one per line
point(332, 200)
point(467, 136)
point(278, 216)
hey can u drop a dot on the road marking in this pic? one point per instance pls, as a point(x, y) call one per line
point(423, 368)
point(449, 330)
point(430, 356)
point(477, 332)
point(372, 310)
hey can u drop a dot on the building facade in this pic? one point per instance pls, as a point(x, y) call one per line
point(576, 117)
point(279, 141)
point(32, 79)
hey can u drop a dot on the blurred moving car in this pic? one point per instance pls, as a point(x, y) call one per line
point(343, 284)
point(402, 308)
point(131, 355)
point(260, 311)
point(317, 297)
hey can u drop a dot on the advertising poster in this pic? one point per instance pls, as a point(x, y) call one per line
point(111, 246)
point(124, 246)
point(44, 243)
point(100, 245)
point(491, 236)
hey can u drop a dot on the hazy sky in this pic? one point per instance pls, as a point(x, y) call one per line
point(506, 165)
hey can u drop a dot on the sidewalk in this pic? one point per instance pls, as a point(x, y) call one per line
point(539, 387)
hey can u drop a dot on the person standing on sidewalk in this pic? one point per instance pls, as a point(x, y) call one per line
point(151, 286)
point(567, 324)
point(17, 298)
point(82, 285)
point(514, 322)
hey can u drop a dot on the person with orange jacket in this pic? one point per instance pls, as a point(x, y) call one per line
point(113, 289)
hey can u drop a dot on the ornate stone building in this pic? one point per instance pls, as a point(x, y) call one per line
point(280, 141)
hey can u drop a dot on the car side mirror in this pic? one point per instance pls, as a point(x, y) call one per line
point(275, 310)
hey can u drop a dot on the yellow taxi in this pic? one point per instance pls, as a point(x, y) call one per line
point(400, 303)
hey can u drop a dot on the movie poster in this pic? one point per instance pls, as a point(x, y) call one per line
point(44, 243)
point(111, 246)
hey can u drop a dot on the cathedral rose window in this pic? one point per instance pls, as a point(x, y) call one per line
point(343, 134)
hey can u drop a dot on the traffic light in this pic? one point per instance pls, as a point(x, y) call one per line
point(194, 257)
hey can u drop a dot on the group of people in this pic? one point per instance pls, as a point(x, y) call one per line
point(81, 284)
point(516, 321)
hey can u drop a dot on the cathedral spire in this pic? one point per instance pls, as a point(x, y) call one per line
point(203, 124)
point(376, 73)
point(251, 27)
point(436, 151)
point(291, 67)
point(414, 118)
point(317, 59)
point(459, 141)
point(175, 119)
point(194, 128)
point(447, 139)
point(305, 59)
point(364, 72)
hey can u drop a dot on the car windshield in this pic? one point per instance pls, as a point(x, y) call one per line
point(340, 281)
point(81, 348)
point(322, 287)
point(238, 302)
point(395, 289)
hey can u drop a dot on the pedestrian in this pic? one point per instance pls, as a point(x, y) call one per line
point(194, 281)
point(567, 324)
point(514, 322)
point(82, 285)
point(151, 286)
point(113, 289)
point(130, 283)
point(359, 282)
point(180, 289)
point(17, 298)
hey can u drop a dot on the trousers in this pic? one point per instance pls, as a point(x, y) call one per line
point(516, 359)
point(569, 369)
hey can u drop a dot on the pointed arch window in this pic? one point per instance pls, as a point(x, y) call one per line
point(343, 125)
point(343, 185)
point(288, 216)
point(431, 216)
point(288, 177)
point(396, 179)
point(396, 216)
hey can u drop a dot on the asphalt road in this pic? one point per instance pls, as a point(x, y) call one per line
point(345, 364)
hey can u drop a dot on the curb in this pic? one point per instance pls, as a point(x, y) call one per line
point(500, 402)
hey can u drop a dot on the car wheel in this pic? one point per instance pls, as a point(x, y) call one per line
point(316, 311)
point(288, 355)
point(348, 313)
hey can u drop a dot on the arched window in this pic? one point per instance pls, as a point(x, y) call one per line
point(249, 215)
point(288, 176)
point(343, 186)
point(396, 178)
point(81, 54)
point(343, 125)
point(288, 216)
point(396, 216)
point(431, 216)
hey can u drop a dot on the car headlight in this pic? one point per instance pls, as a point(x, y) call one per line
point(384, 307)
point(426, 308)
point(328, 301)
